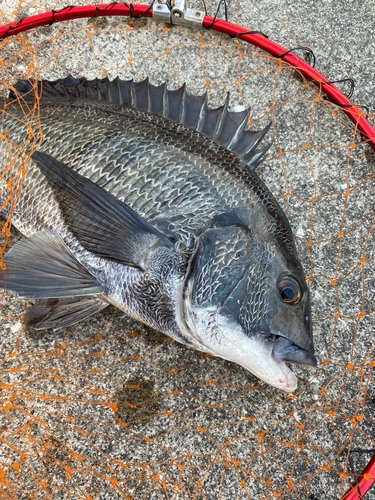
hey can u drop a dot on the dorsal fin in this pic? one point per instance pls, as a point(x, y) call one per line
point(222, 126)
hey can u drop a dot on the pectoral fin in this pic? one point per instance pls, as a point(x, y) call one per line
point(42, 267)
point(102, 223)
point(61, 313)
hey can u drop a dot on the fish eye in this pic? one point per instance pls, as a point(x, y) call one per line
point(290, 290)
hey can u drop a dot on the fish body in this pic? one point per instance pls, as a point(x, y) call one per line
point(147, 200)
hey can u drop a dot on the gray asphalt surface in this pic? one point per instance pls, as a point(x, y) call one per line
point(111, 409)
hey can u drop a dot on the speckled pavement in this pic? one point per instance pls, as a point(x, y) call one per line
point(110, 409)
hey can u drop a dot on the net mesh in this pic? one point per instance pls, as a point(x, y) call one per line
point(111, 409)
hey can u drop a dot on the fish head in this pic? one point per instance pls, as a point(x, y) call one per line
point(246, 302)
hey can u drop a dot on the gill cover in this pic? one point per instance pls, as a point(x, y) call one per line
point(229, 276)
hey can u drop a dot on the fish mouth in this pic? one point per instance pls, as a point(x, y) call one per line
point(285, 351)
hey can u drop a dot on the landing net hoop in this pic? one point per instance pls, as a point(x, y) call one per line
point(355, 113)
point(137, 11)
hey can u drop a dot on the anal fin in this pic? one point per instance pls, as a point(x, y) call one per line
point(61, 313)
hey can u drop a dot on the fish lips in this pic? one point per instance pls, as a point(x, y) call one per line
point(285, 350)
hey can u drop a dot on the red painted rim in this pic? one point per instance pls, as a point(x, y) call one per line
point(353, 111)
point(365, 481)
point(367, 478)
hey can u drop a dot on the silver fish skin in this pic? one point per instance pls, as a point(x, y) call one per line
point(130, 202)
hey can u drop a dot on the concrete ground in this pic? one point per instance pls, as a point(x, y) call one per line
point(111, 409)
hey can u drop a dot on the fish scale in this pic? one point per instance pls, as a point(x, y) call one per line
point(152, 200)
point(136, 182)
point(139, 176)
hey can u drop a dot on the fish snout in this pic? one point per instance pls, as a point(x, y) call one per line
point(285, 350)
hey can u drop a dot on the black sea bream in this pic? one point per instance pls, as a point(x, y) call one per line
point(146, 199)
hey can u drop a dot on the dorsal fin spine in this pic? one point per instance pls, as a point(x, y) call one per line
point(238, 133)
point(254, 157)
point(183, 104)
point(222, 117)
point(202, 113)
point(118, 89)
point(149, 97)
point(131, 94)
point(258, 137)
point(165, 103)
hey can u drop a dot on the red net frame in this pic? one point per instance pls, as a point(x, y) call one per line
point(353, 111)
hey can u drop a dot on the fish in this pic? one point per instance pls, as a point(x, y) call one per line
point(148, 200)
